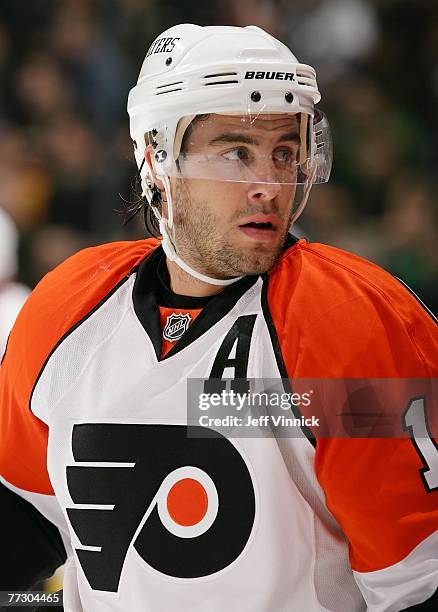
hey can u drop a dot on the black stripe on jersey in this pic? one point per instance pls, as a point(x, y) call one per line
point(279, 357)
point(146, 307)
point(76, 325)
point(429, 312)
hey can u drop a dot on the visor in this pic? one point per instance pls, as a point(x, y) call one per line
point(274, 148)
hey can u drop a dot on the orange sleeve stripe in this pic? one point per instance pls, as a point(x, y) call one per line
point(61, 300)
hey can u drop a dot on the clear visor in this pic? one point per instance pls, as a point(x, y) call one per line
point(275, 148)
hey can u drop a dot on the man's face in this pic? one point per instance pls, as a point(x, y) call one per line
point(229, 228)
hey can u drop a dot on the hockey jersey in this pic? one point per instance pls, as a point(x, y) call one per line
point(94, 433)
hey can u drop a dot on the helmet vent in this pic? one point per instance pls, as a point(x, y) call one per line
point(305, 83)
point(166, 89)
point(306, 77)
point(307, 73)
point(220, 83)
point(221, 78)
point(220, 74)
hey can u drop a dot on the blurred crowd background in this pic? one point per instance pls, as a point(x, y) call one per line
point(66, 159)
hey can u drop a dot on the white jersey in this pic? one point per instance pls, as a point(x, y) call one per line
point(161, 517)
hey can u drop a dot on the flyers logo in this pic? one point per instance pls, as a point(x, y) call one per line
point(186, 505)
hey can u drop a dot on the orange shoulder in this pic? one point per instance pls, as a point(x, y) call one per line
point(61, 299)
point(338, 315)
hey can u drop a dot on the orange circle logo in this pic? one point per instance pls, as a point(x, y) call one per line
point(187, 502)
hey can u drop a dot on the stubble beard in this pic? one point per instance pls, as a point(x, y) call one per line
point(202, 247)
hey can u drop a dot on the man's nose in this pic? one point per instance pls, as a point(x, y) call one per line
point(263, 192)
point(264, 187)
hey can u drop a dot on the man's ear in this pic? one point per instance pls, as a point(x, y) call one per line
point(148, 158)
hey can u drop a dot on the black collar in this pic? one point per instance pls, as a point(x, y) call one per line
point(147, 287)
point(166, 297)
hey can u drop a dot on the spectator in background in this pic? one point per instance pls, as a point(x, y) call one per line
point(12, 294)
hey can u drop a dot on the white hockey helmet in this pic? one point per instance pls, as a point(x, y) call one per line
point(191, 71)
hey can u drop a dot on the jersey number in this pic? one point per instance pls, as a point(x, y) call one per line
point(415, 421)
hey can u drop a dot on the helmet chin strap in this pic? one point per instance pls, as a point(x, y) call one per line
point(167, 230)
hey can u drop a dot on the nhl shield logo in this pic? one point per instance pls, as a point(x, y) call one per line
point(176, 325)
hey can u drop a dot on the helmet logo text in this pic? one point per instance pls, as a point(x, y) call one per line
point(162, 45)
point(279, 76)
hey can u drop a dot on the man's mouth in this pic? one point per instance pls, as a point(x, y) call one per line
point(260, 227)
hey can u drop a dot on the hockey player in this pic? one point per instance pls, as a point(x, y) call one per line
point(153, 514)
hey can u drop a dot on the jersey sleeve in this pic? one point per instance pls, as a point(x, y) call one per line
point(383, 491)
point(58, 303)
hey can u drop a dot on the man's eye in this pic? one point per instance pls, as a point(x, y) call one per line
point(284, 156)
point(237, 154)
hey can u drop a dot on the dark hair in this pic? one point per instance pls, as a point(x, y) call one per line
point(140, 203)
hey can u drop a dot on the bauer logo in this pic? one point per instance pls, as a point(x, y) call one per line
point(176, 325)
point(279, 76)
point(162, 45)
